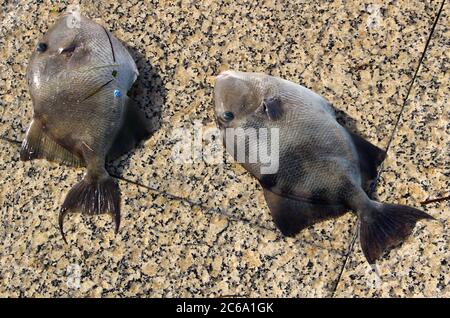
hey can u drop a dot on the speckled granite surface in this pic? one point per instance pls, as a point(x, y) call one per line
point(360, 56)
point(418, 168)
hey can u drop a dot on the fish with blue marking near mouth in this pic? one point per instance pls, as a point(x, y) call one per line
point(78, 78)
point(323, 170)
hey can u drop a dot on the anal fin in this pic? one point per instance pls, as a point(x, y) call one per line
point(370, 157)
point(292, 216)
point(38, 145)
point(135, 128)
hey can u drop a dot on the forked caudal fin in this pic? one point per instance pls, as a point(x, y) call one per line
point(384, 226)
point(92, 197)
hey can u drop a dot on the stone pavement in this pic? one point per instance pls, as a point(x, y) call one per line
point(203, 229)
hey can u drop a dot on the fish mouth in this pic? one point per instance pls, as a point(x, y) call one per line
point(221, 122)
point(224, 74)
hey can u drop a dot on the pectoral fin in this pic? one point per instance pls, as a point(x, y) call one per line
point(135, 128)
point(273, 108)
point(292, 216)
point(38, 145)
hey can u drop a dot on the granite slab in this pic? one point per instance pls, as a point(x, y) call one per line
point(164, 247)
point(417, 170)
point(198, 228)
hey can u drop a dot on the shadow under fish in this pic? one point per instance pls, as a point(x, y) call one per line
point(78, 78)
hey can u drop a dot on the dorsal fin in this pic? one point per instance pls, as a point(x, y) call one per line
point(370, 157)
point(38, 145)
point(135, 128)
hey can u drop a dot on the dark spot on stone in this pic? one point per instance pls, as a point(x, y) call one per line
point(31, 172)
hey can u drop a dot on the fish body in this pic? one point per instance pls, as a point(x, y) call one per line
point(78, 79)
point(323, 170)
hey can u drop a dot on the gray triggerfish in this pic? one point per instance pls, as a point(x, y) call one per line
point(322, 169)
point(78, 77)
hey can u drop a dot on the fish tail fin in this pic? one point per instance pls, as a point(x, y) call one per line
point(385, 225)
point(92, 196)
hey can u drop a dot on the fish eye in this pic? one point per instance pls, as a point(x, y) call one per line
point(228, 116)
point(41, 47)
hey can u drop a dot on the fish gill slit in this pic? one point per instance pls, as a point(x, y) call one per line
point(110, 43)
point(98, 90)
